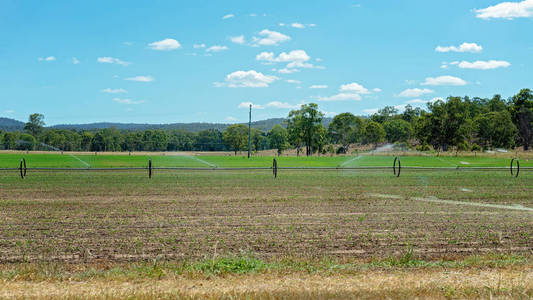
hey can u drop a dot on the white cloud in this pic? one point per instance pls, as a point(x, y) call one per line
point(247, 105)
point(298, 25)
point(376, 90)
point(253, 15)
point(318, 86)
point(48, 58)
point(165, 45)
point(231, 119)
point(370, 111)
point(114, 91)
point(329, 114)
point(288, 71)
point(294, 59)
point(9, 111)
point(247, 79)
point(507, 10)
point(341, 97)
point(197, 46)
point(141, 78)
point(75, 61)
point(216, 48)
point(282, 105)
point(112, 60)
point(354, 88)
point(444, 80)
point(416, 92)
point(127, 43)
point(127, 101)
point(293, 81)
point(417, 101)
point(484, 65)
point(292, 56)
point(237, 39)
point(270, 38)
point(464, 47)
point(228, 16)
point(273, 104)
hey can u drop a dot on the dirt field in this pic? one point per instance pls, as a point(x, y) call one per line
point(244, 234)
point(124, 216)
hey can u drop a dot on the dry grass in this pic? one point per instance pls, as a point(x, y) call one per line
point(515, 282)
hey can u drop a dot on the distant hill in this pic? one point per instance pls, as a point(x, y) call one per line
point(264, 125)
point(7, 124)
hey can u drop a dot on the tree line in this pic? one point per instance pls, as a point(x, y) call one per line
point(458, 123)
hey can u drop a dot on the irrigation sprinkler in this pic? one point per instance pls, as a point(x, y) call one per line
point(396, 159)
point(150, 168)
point(517, 167)
point(275, 168)
point(23, 168)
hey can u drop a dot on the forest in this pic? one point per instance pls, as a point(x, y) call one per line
point(457, 123)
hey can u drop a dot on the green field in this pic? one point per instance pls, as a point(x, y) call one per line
point(305, 234)
point(11, 160)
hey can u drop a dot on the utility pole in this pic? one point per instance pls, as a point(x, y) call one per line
point(249, 131)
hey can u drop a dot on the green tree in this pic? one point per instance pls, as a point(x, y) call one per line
point(303, 124)
point(373, 133)
point(257, 139)
point(236, 137)
point(345, 129)
point(209, 140)
point(278, 138)
point(384, 114)
point(35, 124)
point(495, 129)
point(398, 130)
point(522, 113)
point(26, 142)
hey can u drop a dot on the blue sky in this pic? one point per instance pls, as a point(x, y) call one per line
point(205, 61)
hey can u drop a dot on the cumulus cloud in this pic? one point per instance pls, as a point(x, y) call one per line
point(141, 78)
point(48, 58)
point(75, 61)
point(114, 91)
point(250, 78)
point(112, 60)
point(298, 25)
point(237, 39)
point(294, 59)
point(165, 45)
point(464, 47)
point(342, 97)
point(370, 111)
point(507, 10)
point(318, 86)
point(417, 101)
point(354, 87)
point(444, 80)
point(228, 16)
point(273, 104)
point(416, 92)
point(216, 48)
point(484, 65)
point(292, 56)
point(270, 38)
point(293, 81)
point(288, 71)
point(127, 101)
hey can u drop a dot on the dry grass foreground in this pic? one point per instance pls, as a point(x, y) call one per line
point(509, 282)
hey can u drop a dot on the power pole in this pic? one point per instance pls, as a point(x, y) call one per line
point(249, 131)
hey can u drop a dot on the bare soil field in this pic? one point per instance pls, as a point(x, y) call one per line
point(244, 234)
